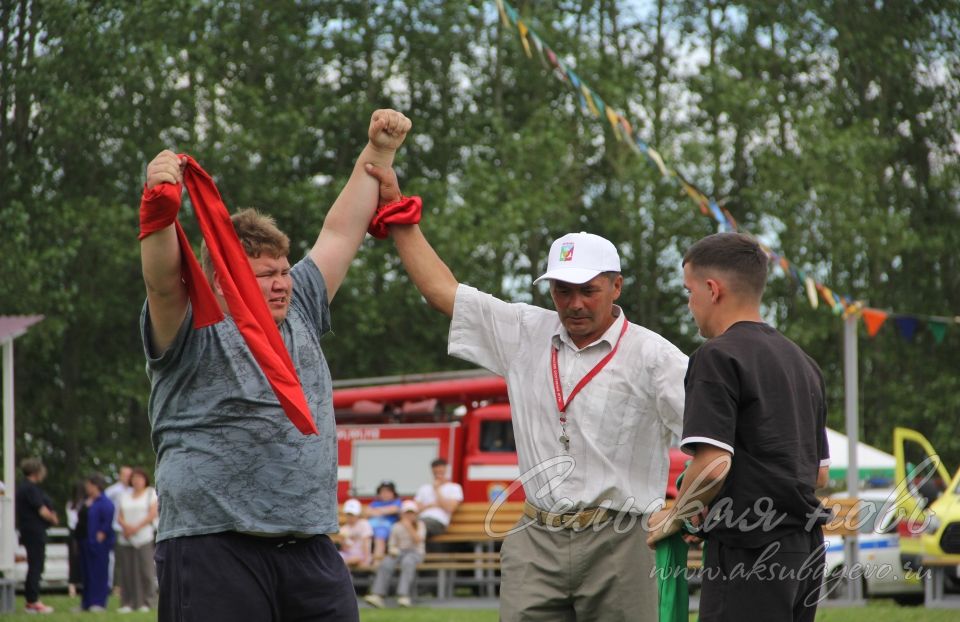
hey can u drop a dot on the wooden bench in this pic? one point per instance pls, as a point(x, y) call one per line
point(934, 576)
point(473, 524)
point(846, 516)
point(476, 522)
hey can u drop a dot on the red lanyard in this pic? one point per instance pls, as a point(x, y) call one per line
point(558, 390)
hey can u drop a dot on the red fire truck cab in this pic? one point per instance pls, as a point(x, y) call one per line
point(393, 431)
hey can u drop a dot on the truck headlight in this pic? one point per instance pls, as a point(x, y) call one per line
point(933, 524)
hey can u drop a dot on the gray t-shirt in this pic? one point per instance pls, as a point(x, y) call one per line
point(228, 458)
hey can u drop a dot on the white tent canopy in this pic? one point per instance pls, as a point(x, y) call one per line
point(11, 327)
point(871, 462)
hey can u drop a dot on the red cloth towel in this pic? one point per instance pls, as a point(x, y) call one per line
point(406, 211)
point(158, 209)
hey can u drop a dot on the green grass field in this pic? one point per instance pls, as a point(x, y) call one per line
point(876, 611)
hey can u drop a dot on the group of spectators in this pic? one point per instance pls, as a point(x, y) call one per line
point(112, 530)
point(391, 533)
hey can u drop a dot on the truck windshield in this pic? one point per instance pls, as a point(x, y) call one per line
point(497, 436)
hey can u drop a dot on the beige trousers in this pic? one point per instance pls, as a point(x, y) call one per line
point(136, 575)
point(602, 574)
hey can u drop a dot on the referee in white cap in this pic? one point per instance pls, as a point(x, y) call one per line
point(596, 401)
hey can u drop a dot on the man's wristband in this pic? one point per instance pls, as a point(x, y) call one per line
point(690, 528)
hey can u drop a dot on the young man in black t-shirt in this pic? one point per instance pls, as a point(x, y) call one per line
point(755, 423)
point(34, 514)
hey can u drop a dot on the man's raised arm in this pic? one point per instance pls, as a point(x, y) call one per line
point(160, 259)
point(427, 271)
point(347, 221)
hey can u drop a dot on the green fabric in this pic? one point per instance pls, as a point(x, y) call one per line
point(671, 558)
point(671, 561)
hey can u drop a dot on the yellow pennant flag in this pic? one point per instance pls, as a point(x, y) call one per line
point(693, 193)
point(503, 14)
point(812, 293)
point(612, 117)
point(852, 309)
point(655, 156)
point(586, 94)
point(523, 38)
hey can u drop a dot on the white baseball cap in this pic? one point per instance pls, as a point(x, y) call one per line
point(579, 257)
point(409, 506)
point(352, 506)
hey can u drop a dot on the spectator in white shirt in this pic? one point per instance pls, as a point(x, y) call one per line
point(595, 402)
point(439, 499)
point(136, 572)
point(113, 492)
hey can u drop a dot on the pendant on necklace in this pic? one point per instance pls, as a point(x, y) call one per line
point(565, 441)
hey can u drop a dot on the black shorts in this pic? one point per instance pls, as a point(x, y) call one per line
point(780, 583)
point(231, 577)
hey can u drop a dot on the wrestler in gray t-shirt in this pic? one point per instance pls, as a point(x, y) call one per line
point(228, 458)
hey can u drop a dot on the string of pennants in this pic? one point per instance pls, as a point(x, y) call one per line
point(593, 105)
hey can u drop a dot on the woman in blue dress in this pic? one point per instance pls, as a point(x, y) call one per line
point(96, 546)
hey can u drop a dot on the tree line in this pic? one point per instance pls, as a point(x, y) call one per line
point(829, 129)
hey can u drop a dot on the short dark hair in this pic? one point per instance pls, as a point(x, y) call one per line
point(98, 480)
point(387, 484)
point(31, 466)
point(736, 254)
point(438, 462)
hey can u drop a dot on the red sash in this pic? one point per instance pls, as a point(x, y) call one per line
point(158, 209)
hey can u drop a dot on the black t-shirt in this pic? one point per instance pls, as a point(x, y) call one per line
point(30, 498)
point(756, 394)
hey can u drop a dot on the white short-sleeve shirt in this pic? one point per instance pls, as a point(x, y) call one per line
point(427, 495)
point(620, 425)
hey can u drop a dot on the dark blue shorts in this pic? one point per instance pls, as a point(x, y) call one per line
point(231, 577)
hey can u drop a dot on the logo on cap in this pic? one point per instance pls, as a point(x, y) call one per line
point(566, 251)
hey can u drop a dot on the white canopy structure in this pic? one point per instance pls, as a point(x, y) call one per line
point(871, 462)
point(11, 327)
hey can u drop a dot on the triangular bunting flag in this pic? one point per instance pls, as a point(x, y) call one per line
point(612, 119)
point(551, 55)
point(601, 107)
point(784, 265)
point(938, 328)
point(589, 98)
point(812, 293)
point(538, 44)
point(503, 14)
point(837, 304)
point(796, 275)
point(655, 156)
point(874, 319)
point(731, 222)
point(907, 325)
point(523, 38)
point(692, 192)
point(511, 13)
point(826, 294)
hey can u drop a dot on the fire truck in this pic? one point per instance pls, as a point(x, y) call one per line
point(393, 430)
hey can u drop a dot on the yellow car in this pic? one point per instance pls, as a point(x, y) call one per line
point(928, 498)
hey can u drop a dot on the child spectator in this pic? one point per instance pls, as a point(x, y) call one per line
point(406, 549)
point(383, 512)
point(356, 535)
